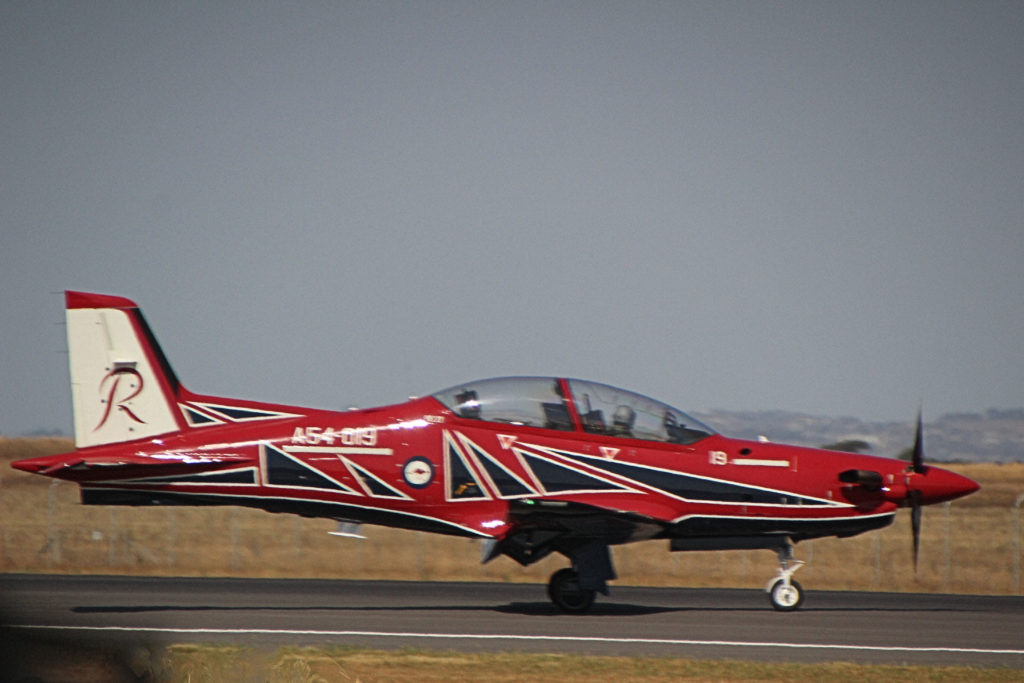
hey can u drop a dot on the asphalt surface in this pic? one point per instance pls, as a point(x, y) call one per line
point(664, 622)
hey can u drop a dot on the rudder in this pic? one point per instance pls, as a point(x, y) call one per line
point(122, 386)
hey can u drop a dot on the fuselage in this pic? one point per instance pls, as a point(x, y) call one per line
point(430, 466)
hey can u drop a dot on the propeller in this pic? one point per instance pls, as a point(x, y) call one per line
point(920, 485)
point(917, 460)
point(917, 466)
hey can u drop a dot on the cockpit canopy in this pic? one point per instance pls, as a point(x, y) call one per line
point(572, 404)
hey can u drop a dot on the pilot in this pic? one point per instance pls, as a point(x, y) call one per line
point(676, 432)
point(467, 404)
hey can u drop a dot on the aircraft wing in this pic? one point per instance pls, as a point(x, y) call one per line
point(540, 526)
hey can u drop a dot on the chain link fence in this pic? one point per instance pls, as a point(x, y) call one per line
point(973, 545)
point(964, 548)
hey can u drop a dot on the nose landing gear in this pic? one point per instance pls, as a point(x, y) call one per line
point(784, 593)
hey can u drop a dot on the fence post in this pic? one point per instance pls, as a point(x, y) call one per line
point(52, 538)
point(878, 560)
point(421, 568)
point(1016, 543)
point(947, 549)
point(234, 539)
point(112, 537)
point(172, 536)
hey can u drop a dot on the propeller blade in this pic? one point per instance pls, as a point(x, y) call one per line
point(917, 461)
point(915, 522)
point(916, 466)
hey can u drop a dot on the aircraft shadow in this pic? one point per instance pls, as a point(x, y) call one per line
point(610, 609)
point(525, 608)
point(537, 609)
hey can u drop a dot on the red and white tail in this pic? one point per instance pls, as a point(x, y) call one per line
point(122, 386)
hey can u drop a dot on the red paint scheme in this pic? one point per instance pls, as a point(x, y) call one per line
point(530, 489)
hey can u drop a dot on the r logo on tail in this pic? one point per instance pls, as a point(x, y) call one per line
point(111, 400)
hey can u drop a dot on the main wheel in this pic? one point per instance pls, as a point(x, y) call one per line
point(786, 598)
point(565, 591)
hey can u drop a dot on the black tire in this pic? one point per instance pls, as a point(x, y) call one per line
point(786, 600)
point(564, 590)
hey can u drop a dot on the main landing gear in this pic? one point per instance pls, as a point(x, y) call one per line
point(573, 589)
point(565, 591)
point(784, 593)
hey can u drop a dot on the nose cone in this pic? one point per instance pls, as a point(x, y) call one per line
point(937, 485)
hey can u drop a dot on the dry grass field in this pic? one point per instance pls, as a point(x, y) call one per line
point(969, 546)
point(204, 663)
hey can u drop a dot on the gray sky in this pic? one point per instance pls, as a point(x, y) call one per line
point(753, 205)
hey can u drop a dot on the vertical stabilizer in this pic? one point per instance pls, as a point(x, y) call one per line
point(122, 387)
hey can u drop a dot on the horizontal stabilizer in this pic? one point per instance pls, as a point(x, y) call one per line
point(69, 464)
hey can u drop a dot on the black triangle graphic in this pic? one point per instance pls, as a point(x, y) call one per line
point(242, 413)
point(557, 478)
point(283, 470)
point(376, 486)
point(461, 481)
point(197, 418)
point(508, 486)
point(694, 488)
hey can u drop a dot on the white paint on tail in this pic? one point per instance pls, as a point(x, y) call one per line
point(118, 391)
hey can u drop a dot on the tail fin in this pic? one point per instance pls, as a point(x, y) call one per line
point(122, 386)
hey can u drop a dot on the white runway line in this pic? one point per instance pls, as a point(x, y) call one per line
point(498, 636)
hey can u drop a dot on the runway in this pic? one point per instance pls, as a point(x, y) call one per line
point(663, 622)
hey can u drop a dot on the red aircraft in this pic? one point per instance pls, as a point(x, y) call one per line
point(530, 465)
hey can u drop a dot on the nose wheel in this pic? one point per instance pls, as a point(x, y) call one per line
point(786, 597)
point(784, 593)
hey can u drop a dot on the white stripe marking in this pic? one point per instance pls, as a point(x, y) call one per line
point(503, 636)
point(762, 463)
point(339, 450)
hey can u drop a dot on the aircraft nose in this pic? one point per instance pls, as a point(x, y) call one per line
point(937, 485)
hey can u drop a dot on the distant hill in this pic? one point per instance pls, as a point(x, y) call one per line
point(992, 436)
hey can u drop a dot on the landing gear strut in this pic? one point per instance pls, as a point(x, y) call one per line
point(786, 594)
point(565, 591)
point(573, 590)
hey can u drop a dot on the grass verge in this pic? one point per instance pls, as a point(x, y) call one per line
point(197, 663)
